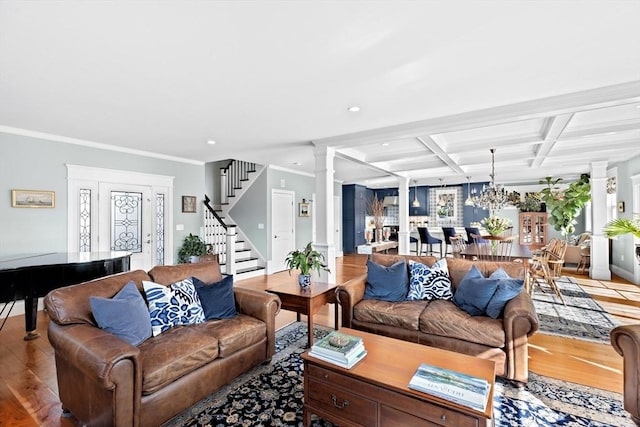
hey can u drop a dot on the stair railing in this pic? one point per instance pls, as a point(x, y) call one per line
point(232, 176)
point(220, 237)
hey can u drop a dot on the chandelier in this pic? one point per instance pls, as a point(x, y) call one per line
point(493, 196)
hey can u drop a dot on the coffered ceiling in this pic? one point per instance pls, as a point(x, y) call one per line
point(552, 85)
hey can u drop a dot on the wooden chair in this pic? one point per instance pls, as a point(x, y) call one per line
point(494, 248)
point(458, 244)
point(546, 267)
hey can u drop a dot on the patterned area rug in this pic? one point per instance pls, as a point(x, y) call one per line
point(581, 317)
point(272, 395)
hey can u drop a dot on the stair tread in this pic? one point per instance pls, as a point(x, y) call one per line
point(247, 270)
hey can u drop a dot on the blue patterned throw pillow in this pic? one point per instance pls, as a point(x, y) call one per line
point(173, 305)
point(429, 282)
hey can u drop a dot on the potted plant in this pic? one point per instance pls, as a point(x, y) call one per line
point(192, 249)
point(305, 260)
point(622, 226)
point(530, 204)
point(565, 206)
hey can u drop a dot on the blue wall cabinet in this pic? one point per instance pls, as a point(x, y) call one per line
point(354, 210)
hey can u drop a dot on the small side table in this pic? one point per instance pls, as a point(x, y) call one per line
point(306, 301)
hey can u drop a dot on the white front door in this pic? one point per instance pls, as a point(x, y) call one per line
point(125, 219)
point(282, 227)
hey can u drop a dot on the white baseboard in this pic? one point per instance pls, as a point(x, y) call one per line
point(627, 275)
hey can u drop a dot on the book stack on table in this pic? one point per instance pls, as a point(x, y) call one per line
point(340, 349)
point(457, 387)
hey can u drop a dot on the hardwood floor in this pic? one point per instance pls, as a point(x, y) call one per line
point(28, 387)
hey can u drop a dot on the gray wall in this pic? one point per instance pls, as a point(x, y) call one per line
point(623, 246)
point(36, 164)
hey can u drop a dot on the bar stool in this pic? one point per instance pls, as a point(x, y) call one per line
point(585, 260)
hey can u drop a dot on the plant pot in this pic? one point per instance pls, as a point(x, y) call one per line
point(194, 259)
point(304, 280)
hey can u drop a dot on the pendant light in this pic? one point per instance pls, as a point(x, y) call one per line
point(416, 202)
point(469, 201)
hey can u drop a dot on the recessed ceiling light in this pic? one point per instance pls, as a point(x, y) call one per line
point(354, 109)
point(211, 142)
point(297, 163)
point(384, 144)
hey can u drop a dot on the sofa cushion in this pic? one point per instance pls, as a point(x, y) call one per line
point(236, 333)
point(429, 282)
point(207, 271)
point(217, 299)
point(175, 353)
point(173, 305)
point(405, 314)
point(474, 292)
point(125, 315)
point(444, 318)
point(386, 283)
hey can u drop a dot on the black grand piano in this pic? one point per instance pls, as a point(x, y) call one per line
point(30, 276)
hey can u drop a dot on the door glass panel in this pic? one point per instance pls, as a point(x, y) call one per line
point(126, 221)
point(159, 229)
point(84, 233)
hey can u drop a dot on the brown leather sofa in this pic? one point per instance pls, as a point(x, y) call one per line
point(105, 381)
point(626, 341)
point(440, 323)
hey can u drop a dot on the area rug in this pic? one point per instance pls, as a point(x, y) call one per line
point(272, 395)
point(580, 318)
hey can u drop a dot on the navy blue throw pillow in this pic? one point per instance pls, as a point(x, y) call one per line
point(507, 289)
point(387, 283)
point(474, 292)
point(217, 299)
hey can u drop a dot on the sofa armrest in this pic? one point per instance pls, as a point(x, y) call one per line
point(520, 322)
point(263, 306)
point(625, 340)
point(348, 295)
point(94, 352)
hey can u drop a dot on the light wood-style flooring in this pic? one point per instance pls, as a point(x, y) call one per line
point(28, 388)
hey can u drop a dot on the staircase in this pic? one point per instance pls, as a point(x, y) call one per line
point(221, 234)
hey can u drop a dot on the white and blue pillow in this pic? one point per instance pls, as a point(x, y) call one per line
point(429, 282)
point(173, 305)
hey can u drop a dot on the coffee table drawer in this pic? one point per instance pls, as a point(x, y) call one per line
point(341, 402)
point(335, 378)
point(427, 415)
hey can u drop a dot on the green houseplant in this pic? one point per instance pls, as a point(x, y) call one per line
point(305, 260)
point(192, 249)
point(622, 226)
point(565, 206)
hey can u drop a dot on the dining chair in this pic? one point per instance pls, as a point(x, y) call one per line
point(546, 267)
point(470, 231)
point(413, 240)
point(448, 233)
point(493, 248)
point(428, 239)
point(458, 245)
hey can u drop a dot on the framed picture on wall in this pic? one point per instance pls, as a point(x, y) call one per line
point(304, 209)
point(33, 199)
point(189, 204)
point(446, 203)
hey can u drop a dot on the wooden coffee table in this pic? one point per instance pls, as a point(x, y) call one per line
point(375, 392)
point(306, 301)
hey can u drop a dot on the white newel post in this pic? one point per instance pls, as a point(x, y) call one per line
point(223, 187)
point(324, 210)
point(231, 250)
point(599, 242)
point(403, 216)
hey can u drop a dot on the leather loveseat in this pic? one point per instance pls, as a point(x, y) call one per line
point(440, 323)
point(625, 340)
point(105, 381)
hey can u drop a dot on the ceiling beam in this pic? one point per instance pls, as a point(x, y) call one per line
point(366, 164)
point(432, 145)
point(554, 130)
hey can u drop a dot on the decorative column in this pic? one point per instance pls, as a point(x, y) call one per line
point(324, 210)
point(599, 242)
point(403, 216)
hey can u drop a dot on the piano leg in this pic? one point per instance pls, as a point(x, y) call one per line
point(30, 317)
